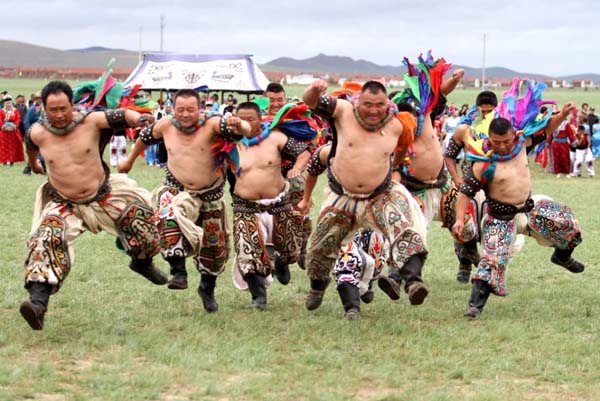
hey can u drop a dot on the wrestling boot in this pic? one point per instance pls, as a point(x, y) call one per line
point(390, 284)
point(469, 255)
point(368, 296)
point(350, 300)
point(256, 285)
point(316, 293)
point(282, 270)
point(179, 273)
point(206, 290)
point(33, 311)
point(480, 292)
point(146, 268)
point(562, 257)
point(411, 275)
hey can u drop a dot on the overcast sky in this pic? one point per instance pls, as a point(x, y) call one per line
point(548, 37)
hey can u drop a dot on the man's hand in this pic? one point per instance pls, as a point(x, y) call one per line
point(457, 228)
point(303, 206)
point(294, 172)
point(234, 124)
point(36, 166)
point(124, 166)
point(458, 74)
point(567, 108)
point(320, 86)
point(144, 120)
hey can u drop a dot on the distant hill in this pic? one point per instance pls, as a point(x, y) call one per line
point(14, 54)
point(345, 65)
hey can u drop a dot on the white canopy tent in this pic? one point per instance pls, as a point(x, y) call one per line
point(230, 73)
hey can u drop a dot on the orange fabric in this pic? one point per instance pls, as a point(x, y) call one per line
point(409, 125)
point(348, 88)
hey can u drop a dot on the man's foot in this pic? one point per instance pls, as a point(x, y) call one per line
point(472, 312)
point(33, 314)
point(151, 272)
point(571, 264)
point(417, 292)
point(282, 271)
point(302, 261)
point(315, 297)
point(259, 303)
point(464, 273)
point(206, 290)
point(390, 286)
point(367, 297)
point(27, 170)
point(352, 314)
point(178, 282)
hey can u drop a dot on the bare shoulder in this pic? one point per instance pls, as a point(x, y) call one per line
point(461, 133)
point(36, 131)
point(279, 137)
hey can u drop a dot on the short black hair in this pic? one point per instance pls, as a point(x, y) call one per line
point(373, 87)
point(250, 106)
point(500, 126)
point(56, 87)
point(581, 128)
point(186, 93)
point(275, 88)
point(487, 97)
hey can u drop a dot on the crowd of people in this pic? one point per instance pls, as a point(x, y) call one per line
point(394, 163)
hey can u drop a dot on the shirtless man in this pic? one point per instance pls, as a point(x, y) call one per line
point(81, 195)
point(361, 193)
point(510, 210)
point(191, 211)
point(263, 213)
point(427, 179)
point(276, 95)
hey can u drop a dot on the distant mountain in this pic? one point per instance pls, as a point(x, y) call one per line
point(345, 65)
point(14, 54)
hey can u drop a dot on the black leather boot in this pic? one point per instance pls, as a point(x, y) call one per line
point(349, 295)
point(562, 257)
point(206, 290)
point(146, 268)
point(179, 273)
point(256, 285)
point(390, 284)
point(316, 293)
point(33, 311)
point(282, 270)
point(480, 292)
point(413, 283)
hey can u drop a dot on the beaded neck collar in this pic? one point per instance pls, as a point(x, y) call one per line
point(188, 130)
point(369, 127)
point(63, 131)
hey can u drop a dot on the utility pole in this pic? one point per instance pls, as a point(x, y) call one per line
point(162, 30)
point(140, 44)
point(483, 85)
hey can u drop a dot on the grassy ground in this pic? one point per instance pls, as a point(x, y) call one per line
point(110, 335)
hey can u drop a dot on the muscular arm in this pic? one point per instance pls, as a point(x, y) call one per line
point(299, 165)
point(462, 202)
point(451, 83)
point(558, 118)
point(148, 135)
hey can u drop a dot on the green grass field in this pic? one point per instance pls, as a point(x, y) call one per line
point(111, 335)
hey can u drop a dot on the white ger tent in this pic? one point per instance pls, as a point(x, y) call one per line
point(232, 73)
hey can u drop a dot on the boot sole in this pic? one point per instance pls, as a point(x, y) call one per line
point(31, 317)
point(418, 297)
point(390, 289)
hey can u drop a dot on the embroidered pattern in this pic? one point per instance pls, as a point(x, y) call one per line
point(48, 260)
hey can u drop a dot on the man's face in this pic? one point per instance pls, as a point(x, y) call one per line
point(21, 100)
point(250, 116)
point(486, 108)
point(37, 100)
point(502, 144)
point(59, 110)
point(372, 107)
point(187, 111)
point(276, 102)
